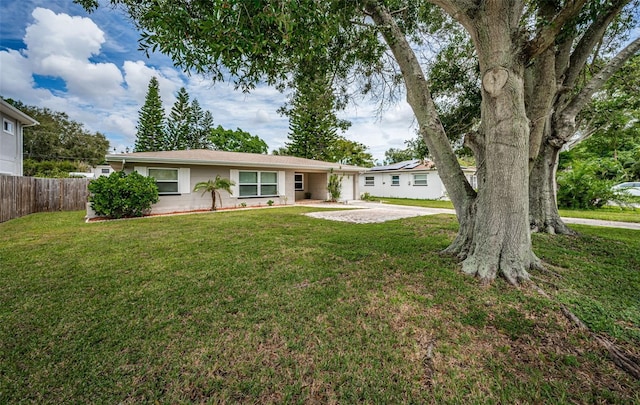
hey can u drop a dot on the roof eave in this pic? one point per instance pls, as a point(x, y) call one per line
point(204, 162)
point(24, 119)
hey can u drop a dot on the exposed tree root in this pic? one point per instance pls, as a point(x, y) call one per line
point(625, 361)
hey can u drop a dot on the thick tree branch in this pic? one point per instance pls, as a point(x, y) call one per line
point(461, 11)
point(548, 34)
point(589, 40)
point(582, 98)
point(420, 100)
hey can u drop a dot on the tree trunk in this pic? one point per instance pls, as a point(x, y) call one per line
point(494, 236)
point(543, 205)
point(501, 240)
point(213, 199)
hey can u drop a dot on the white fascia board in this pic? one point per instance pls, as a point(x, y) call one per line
point(175, 161)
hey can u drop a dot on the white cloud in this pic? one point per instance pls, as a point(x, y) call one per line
point(137, 76)
point(74, 37)
point(16, 75)
point(59, 45)
point(262, 116)
point(121, 124)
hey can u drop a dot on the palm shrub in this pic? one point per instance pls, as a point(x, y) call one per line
point(212, 186)
point(121, 195)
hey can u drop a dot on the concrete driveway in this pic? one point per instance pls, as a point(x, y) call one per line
point(365, 212)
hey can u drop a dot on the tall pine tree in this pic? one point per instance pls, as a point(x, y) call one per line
point(151, 126)
point(202, 123)
point(180, 122)
point(313, 125)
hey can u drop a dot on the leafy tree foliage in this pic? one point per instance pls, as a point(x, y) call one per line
point(236, 141)
point(52, 168)
point(150, 131)
point(350, 152)
point(608, 150)
point(121, 195)
point(416, 149)
point(583, 188)
point(59, 138)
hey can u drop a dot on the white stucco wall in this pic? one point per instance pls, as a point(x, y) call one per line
point(188, 200)
point(406, 188)
point(10, 147)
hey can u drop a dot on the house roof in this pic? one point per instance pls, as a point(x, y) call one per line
point(208, 157)
point(413, 166)
point(16, 114)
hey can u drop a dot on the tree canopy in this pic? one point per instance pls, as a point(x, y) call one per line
point(236, 141)
point(57, 139)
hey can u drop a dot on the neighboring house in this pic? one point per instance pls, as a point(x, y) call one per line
point(258, 178)
point(100, 170)
point(409, 179)
point(11, 138)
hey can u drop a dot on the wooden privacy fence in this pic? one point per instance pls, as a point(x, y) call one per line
point(20, 196)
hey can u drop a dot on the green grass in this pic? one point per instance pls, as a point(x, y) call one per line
point(272, 306)
point(416, 203)
point(606, 213)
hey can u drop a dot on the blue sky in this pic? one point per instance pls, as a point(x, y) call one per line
point(53, 54)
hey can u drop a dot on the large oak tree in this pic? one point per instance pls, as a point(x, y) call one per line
point(268, 40)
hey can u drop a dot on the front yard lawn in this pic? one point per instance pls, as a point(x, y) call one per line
point(265, 306)
point(607, 213)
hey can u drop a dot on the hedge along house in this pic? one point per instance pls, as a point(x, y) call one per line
point(417, 179)
point(258, 178)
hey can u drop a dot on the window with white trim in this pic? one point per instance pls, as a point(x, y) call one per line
point(8, 127)
point(299, 181)
point(369, 181)
point(395, 180)
point(258, 184)
point(166, 180)
point(419, 179)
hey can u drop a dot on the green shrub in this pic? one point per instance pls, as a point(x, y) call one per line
point(50, 168)
point(123, 195)
point(581, 187)
point(335, 186)
point(270, 203)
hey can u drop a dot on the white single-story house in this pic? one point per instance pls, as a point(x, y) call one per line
point(258, 178)
point(417, 179)
point(11, 138)
point(99, 170)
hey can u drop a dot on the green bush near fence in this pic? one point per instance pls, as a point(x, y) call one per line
point(123, 195)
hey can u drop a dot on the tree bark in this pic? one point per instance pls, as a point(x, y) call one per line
point(494, 236)
point(570, 61)
point(543, 206)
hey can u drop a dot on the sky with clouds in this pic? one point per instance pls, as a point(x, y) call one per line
point(53, 54)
